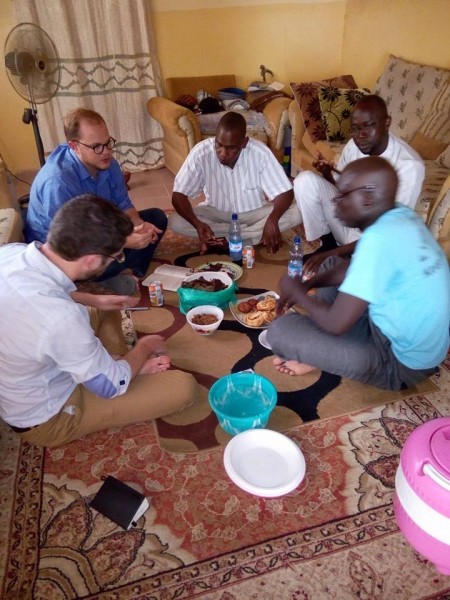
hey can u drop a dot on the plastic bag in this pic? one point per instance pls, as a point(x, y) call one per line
point(189, 298)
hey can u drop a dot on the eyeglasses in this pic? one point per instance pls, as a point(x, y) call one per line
point(354, 129)
point(369, 188)
point(119, 258)
point(98, 148)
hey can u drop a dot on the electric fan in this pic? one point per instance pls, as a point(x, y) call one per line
point(33, 68)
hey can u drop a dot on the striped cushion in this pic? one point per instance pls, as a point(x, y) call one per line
point(433, 135)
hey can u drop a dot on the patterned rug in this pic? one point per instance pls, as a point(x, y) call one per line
point(335, 536)
point(235, 348)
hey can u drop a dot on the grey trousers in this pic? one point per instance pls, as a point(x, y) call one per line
point(362, 353)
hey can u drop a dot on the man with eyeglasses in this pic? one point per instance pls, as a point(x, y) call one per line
point(60, 377)
point(382, 317)
point(85, 164)
point(313, 192)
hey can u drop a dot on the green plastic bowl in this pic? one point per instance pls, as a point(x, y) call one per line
point(242, 401)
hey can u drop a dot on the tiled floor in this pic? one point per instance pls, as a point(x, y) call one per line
point(152, 188)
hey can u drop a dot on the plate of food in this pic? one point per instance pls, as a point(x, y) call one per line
point(255, 312)
point(232, 270)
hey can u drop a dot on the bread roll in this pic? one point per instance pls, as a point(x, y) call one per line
point(267, 304)
point(255, 319)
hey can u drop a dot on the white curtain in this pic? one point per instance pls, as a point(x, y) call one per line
point(109, 64)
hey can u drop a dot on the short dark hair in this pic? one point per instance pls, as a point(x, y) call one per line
point(233, 121)
point(88, 224)
point(72, 121)
point(373, 102)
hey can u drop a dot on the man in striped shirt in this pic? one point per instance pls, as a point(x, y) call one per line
point(237, 175)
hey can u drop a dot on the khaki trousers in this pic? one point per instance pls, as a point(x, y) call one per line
point(147, 397)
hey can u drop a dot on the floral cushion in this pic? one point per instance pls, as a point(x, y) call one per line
point(307, 96)
point(336, 105)
point(408, 90)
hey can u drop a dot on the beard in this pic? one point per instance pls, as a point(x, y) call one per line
point(93, 274)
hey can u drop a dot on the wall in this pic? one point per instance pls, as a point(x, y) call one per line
point(412, 29)
point(297, 39)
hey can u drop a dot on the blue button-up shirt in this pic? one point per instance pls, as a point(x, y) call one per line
point(63, 177)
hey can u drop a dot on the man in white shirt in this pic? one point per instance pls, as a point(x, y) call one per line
point(236, 175)
point(58, 381)
point(314, 193)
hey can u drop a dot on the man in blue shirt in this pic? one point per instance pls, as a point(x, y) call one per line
point(383, 317)
point(85, 165)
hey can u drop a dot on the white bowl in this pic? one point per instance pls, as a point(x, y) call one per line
point(210, 275)
point(202, 310)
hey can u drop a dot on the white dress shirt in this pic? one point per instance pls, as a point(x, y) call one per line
point(47, 343)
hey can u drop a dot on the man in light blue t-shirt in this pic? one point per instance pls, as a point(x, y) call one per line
point(383, 317)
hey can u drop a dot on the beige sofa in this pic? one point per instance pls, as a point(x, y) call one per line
point(181, 128)
point(11, 226)
point(418, 99)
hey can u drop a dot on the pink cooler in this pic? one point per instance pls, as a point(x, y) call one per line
point(422, 492)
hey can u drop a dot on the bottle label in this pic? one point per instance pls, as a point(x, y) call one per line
point(235, 249)
point(295, 270)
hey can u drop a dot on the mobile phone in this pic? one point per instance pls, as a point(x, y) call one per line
point(220, 241)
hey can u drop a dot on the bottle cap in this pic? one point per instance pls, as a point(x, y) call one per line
point(234, 216)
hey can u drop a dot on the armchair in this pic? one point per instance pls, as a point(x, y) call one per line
point(181, 127)
point(10, 218)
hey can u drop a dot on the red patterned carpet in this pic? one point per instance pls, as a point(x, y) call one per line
point(333, 537)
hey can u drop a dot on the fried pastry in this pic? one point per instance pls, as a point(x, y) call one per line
point(268, 303)
point(255, 319)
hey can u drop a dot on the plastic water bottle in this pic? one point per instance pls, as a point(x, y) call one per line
point(295, 265)
point(235, 239)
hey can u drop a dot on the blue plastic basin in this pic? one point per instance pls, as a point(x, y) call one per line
point(242, 401)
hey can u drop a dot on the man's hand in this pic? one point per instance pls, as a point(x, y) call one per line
point(271, 236)
point(292, 291)
point(153, 345)
point(324, 167)
point(312, 265)
point(205, 235)
point(143, 235)
point(110, 302)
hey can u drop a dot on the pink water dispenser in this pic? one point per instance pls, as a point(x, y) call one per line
point(422, 492)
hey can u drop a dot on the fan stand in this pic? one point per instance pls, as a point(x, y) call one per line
point(30, 116)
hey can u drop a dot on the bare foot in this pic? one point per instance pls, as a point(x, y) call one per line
point(291, 367)
point(156, 364)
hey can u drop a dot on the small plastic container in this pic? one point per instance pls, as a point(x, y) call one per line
point(242, 401)
point(422, 492)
